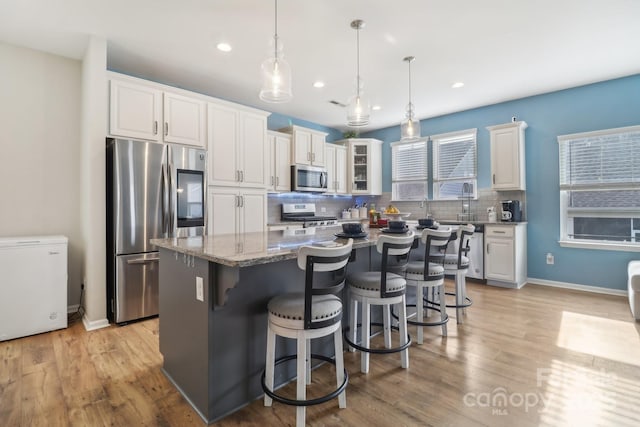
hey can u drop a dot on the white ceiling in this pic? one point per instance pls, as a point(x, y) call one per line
point(500, 49)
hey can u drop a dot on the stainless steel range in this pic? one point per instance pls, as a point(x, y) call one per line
point(306, 213)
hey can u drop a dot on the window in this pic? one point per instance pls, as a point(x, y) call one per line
point(409, 170)
point(600, 188)
point(454, 165)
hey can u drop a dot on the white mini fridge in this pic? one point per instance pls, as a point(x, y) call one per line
point(33, 285)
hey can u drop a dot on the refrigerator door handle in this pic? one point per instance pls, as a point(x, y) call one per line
point(165, 201)
point(172, 191)
point(143, 260)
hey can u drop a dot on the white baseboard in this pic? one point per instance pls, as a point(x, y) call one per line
point(577, 287)
point(92, 325)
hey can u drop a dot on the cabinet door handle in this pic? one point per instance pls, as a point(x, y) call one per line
point(271, 179)
point(487, 248)
point(237, 175)
point(494, 178)
point(237, 201)
point(499, 231)
point(155, 127)
point(166, 128)
point(277, 180)
point(241, 176)
point(242, 201)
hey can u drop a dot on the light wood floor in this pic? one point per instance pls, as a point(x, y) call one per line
point(535, 356)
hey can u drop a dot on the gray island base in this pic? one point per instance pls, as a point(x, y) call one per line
point(214, 344)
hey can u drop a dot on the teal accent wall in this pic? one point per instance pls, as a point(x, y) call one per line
point(609, 104)
point(278, 121)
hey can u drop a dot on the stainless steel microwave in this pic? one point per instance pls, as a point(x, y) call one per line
point(308, 178)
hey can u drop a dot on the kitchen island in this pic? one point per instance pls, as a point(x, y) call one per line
point(214, 292)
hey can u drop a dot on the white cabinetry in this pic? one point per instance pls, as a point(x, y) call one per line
point(237, 146)
point(279, 168)
point(236, 210)
point(364, 164)
point(508, 156)
point(145, 112)
point(506, 255)
point(336, 159)
point(307, 147)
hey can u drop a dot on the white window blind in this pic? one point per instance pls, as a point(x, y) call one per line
point(409, 170)
point(603, 159)
point(454, 165)
point(600, 186)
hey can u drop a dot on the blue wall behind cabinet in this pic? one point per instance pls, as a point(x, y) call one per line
point(278, 121)
point(609, 104)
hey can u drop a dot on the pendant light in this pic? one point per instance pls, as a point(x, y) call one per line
point(409, 127)
point(358, 108)
point(276, 73)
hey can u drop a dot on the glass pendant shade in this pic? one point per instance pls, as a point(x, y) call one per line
point(359, 108)
point(410, 126)
point(276, 72)
point(276, 80)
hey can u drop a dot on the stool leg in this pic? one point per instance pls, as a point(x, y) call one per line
point(366, 336)
point(353, 322)
point(337, 338)
point(459, 298)
point(301, 382)
point(386, 322)
point(420, 311)
point(402, 318)
point(270, 364)
point(308, 361)
point(443, 308)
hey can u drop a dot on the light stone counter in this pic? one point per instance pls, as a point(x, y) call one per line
point(248, 249)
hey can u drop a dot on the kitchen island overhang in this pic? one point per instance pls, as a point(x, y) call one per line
point(214, 347)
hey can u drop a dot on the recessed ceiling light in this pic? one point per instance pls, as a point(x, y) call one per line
point(376, 108)
point(224, 47)
point(457, 85)
point(318, 84)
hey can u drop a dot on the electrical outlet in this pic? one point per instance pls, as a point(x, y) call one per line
point(199, 289)
point(550, 259)
point(323, 209)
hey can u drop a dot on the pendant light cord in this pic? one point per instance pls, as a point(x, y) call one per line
point(410, 106)
point(358, 61)
point(275, 37)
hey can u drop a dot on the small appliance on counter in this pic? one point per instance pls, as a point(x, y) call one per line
point(491, 214)
point(511, 211)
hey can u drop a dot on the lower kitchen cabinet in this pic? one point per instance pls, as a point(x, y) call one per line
point(235, 210)
point(505, 255)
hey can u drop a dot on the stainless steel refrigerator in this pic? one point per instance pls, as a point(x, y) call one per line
point(154, 190)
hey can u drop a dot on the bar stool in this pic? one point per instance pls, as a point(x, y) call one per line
point(314, 313)
point(429, 275)
point(457, 265)
point(380, 288)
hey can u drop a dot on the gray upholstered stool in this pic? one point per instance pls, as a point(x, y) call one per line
point(428, 275)
point(380, 288)
point(457, 265)
point(303, 316)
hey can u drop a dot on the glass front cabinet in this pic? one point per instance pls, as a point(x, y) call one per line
point(364, 165)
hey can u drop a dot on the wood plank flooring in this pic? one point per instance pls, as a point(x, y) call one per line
point(536, 356)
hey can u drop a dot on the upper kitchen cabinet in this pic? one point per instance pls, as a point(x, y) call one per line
point(145, 112)
point(507, 156)
point(364, 164)
point(279, 167)
point(336, 160)
point(307, 147)
point(237, 145)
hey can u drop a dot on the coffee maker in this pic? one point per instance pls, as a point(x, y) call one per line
point(511, 211)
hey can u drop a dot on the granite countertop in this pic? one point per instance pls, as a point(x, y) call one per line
point(247, 249)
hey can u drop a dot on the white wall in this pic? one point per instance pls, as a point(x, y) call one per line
point(40, 150)
point(95, 103)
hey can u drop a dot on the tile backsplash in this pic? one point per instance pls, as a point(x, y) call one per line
point(442, 210)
